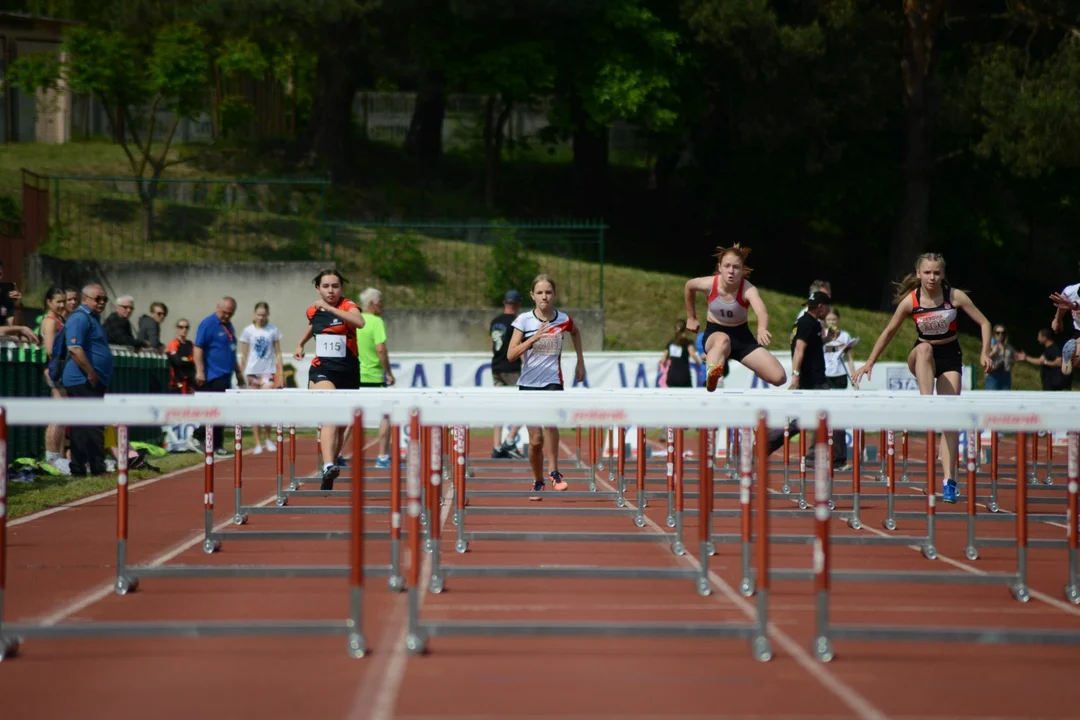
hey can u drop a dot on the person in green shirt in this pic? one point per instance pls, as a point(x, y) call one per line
point(375, 361)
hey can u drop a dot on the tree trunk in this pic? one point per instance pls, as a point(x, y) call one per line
point(590, 145)
point(146, 199)
point(496, 113)
point(911, 233)
point(338, 75)
point(424, 139)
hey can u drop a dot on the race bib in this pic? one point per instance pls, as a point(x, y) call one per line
point(330, 346)
point(549, 344)
point(675, 351)
point(933, 325)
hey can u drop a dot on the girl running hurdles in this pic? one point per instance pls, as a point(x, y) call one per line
point(727, 332)
point(928, 299)
point(332, 321)
point(538, 338)
point(1067, 301)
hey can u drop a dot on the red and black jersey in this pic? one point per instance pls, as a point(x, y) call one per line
point(335, 341)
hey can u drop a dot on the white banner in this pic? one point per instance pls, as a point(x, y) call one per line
point(603, 370)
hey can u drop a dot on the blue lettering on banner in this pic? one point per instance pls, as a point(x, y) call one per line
point(448, 375)
point(622, 374)
point(419, 379)
point(480, 373)
point(640, 380)
point(756, 382)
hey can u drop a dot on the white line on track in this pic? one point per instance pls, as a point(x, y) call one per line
point(376, 698)
point(850, 697)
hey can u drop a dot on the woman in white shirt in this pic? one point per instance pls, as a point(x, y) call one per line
point(839, 362)
point(260, 356)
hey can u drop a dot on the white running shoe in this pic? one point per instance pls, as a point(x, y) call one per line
point(271, 446)
point(257, 450)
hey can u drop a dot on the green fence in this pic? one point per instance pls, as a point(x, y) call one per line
point(22, 369)
point(445, 264)
point(187, 219)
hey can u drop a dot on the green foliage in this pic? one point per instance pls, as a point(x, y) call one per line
point(396, 257)
point(510, 267)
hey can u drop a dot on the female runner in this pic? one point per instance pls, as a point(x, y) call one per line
point(538, 338)
point(727, 332)
point(260, 356)
point(928, 299)
point(1067, 302)
point(332, 321)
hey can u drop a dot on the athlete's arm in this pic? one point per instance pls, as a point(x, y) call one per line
point(279, 366)
point(796, 363)
point(961, 300)
point(902, 311)
point(690, 291)
point(244, 347)
point(308, 334)
point(758, 305)
point(518, 346)
point(575, 335)
point(351, 317)
point(384, 358)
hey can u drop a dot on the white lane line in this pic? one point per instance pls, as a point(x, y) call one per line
point(94, 596)
point(850, 697)
point(376, 697)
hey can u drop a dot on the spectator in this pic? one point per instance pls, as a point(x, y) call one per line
point(52, 327)
point(71, 300)
point(181, 353)
point(1002, 357)
point(19, 333)
point(375, 368)
point(505, 373)
point(87, 376)
point(10, 301)
point(118, 325)
point(839, 363)
point(215, 365)
point(817, 286)
point(260, 355)
point(676, 358)
point(150, 326)
point(1049, 363)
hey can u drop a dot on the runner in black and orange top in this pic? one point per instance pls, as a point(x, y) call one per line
point(332, 321)
point(936, 360)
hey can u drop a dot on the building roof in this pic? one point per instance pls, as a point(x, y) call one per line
point(20, 18)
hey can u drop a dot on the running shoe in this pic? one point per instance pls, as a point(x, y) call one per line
point(499, 454)
point(223, 453)
point(257, 450)
point(716, 372)
point(948, 491)
point(538, 486)
point(382, 462)
point(341, 461)
point(1068, 351)
point(271, 446)
point(515, 454)
point(329, 475)
point(557, 482)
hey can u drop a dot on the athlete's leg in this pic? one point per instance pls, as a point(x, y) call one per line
point(384, 437)
point(949, 384)
point(536, 453)
point(717, 352)
point(328, 435)
point(551, 452)
point(920, 362)
point(763, 364)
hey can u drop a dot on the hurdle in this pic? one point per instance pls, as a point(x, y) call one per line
point(142, 410)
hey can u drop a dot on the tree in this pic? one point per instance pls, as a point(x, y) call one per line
point(134, 83)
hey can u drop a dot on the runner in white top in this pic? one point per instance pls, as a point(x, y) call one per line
point(838, 356)
point(260, 356)
point(538, 339)
point(1068, 301)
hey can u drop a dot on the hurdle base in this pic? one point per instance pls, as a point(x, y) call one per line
point(9, 647)
point(250, 628)
point(590, 629)
point(569, 571)
point(136, 572)
point(554, 536)
point(982, 636)
point(220, 537)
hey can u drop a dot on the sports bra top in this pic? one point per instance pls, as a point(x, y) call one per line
point(729, 313)
point(934, 323)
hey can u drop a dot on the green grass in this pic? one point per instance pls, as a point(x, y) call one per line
point(51, 491)
point(641, 307)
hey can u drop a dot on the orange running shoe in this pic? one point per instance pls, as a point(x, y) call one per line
point(715, 373)
point(557, 482)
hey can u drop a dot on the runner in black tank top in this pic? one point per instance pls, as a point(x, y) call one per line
point(677, 357)
point(935, 360)
point(332, 321)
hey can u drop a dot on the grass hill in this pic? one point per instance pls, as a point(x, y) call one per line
point(641, 306)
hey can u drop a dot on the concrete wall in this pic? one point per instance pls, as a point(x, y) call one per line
point(466, 329)
point(192, 290)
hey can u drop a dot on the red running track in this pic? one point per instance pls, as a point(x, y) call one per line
point(62, 566)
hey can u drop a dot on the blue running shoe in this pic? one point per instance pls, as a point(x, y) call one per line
point(341, 462)
point(1068, 351)
point(948, 491)
point(382, 462)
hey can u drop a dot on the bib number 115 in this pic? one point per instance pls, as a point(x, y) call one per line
point(329, 346)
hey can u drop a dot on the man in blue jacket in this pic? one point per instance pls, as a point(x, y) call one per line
point(87, 372)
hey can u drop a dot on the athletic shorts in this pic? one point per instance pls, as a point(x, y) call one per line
point(947, 358)
point(342, 379)
point(742, 340)
point(505, 379)
point(837, 382)
point(552, 386)
point(373, 384)
point(255, 381)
